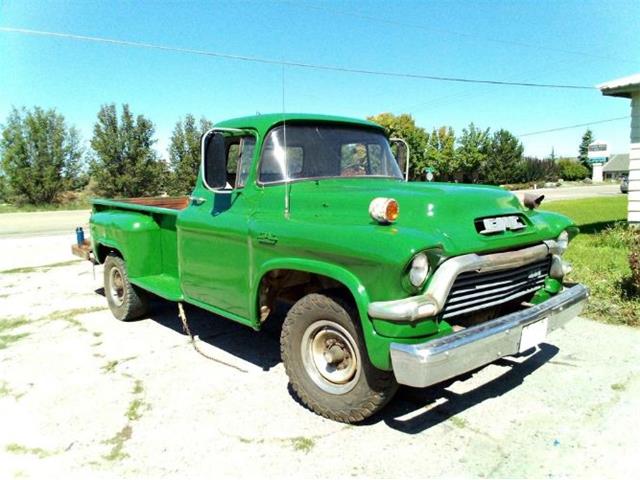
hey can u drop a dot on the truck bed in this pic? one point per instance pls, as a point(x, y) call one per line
point(146, 203)
point(143, 230)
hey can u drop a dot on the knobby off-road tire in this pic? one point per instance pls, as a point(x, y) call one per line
point(126, 301)
point(327, 363)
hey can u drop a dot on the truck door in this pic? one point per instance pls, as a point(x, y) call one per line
point(213, 230)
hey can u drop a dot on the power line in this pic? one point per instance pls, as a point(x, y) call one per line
point(286, 63)
point(453, 32)
point(572, 126)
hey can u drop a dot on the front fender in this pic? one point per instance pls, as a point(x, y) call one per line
point(377, 346)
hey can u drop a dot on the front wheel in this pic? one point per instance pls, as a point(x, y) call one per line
point(327, 363)
point(125, 300)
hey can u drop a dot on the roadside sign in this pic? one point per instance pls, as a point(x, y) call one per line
point(598, 152)
point(429, 171)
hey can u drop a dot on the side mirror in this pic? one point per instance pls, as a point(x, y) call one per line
point(214, 145)
point(532, 200)
point(402, 155)
point(214, 160)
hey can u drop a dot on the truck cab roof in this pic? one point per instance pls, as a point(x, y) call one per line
point(264, 122)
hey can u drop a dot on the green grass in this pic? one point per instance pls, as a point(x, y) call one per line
point(459, 422)
point(118, 440)
point(49, 207)
point(591, 214)
point(4, 389)
point(600, 257)
point(303, 444)
point(138, 388)
point(110, 366)
point(134, 412)
point(18, 449)
point(7, 324)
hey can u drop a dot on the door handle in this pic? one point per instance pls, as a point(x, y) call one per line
point(196, 200)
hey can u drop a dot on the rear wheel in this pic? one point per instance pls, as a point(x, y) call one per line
point(125, 300)
point(327, 362)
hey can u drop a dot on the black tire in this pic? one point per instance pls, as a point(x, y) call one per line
point(313, 326)
point(126, 301)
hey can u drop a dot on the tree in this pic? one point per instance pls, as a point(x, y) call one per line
point(473, 147)
point(404, 126)
point(504, 158)
point(41, 155)
point(184, 153)
point(583, 156)
point(571, 170)
point(124, 163)
point(441, 154)
point(3, 188)
point(536, 170)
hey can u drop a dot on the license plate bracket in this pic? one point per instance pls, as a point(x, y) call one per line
point(533, 335)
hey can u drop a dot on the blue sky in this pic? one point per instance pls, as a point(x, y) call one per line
point(567, 42)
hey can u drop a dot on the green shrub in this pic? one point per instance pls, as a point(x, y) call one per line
point(620, 235)
point(534, 170)
point(634, 260)
point(570, 170)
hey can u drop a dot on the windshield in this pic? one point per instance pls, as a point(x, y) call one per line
point(322, 151)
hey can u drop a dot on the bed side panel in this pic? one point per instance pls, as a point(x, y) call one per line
point(135, 234)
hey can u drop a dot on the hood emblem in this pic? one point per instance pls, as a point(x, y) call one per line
point(501, 224)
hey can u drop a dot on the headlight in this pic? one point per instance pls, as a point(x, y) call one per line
point(384, 210)
point(562, 242)
point(419, 270)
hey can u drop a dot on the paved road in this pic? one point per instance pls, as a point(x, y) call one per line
point(41, 223)
point(85, 396)
point(568, 193)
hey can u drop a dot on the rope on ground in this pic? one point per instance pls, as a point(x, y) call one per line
point(185, 327)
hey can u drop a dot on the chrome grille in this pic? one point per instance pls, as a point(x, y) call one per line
point(474, 291)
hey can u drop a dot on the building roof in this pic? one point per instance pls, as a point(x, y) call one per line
point(264, 122)
point(621, 87)
point(618, 162)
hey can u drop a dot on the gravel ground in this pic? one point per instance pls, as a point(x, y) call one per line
point(85, 396)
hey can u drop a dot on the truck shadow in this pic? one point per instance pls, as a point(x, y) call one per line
point(258, 348)
point(411, 411)
point(414, 410)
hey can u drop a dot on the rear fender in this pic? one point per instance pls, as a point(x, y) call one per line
point(134, 234)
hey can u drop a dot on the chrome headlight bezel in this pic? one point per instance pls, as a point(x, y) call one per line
point(419, 270)
point(562, 242)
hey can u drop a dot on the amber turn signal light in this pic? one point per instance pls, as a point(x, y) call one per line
point(384, 210)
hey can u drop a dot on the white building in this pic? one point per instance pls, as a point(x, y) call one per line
point(629, 87)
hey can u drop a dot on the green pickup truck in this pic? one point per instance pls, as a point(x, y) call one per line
point(388, 282)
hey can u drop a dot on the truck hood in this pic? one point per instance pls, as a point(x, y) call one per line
point(435, 214)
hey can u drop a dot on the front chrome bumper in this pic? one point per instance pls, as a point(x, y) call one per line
point(443, 358)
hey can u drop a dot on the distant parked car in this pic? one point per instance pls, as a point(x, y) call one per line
point(624, 185)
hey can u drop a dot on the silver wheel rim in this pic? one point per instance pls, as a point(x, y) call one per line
point(116, 286)
point(330, 357)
